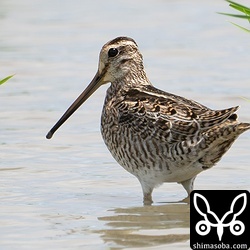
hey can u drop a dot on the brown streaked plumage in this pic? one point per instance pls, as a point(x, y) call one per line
point(156, 136)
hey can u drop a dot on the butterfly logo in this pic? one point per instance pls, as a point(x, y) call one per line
point(210, 219)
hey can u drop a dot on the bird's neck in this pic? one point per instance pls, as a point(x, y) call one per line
point(134, 78)
point(122, 86)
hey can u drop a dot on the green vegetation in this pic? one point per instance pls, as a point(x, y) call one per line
point(245, 13)
point(5, 79)
point(248, 100)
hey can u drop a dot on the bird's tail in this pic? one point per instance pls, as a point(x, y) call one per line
point(226, 131)
point(242, 127)
point(219, 140)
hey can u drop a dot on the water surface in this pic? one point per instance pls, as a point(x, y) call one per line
point(68, 192)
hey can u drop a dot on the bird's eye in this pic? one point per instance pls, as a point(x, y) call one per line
point(112, 52)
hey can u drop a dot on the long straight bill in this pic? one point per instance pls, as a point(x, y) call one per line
point(91, 88)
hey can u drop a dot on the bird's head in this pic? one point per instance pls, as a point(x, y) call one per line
point(119, 59)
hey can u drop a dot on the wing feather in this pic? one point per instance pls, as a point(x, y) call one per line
point(167, 115)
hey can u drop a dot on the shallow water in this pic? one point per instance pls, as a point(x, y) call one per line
point(68, 192)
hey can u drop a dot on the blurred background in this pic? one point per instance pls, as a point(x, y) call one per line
point(68, 192)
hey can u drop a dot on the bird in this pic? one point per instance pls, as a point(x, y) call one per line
point(156, 136)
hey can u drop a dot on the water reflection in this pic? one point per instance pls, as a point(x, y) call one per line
point(146, 226)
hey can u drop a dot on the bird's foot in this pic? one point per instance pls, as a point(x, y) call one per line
point(147, 199)
point(186, 200)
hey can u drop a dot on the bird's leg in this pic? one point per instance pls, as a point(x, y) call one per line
point(147, 193)
point(189, 186)
point(147, 198)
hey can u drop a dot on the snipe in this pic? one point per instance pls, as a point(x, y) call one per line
point(156, 136)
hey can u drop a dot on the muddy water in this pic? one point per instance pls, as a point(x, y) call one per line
point(68, 192)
